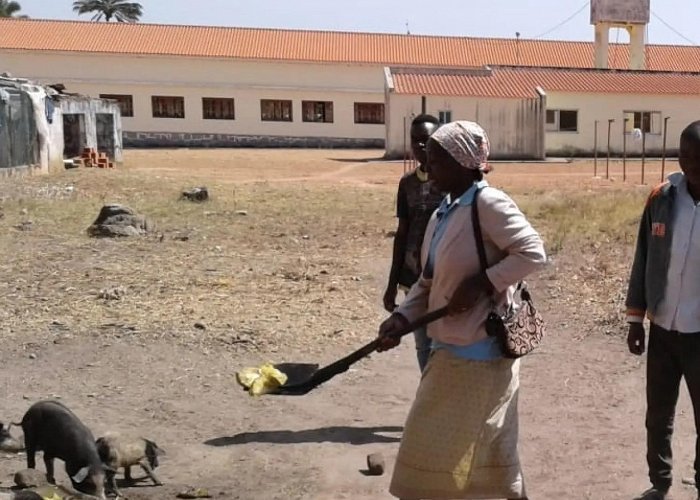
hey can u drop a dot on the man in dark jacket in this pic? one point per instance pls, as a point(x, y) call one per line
point(665, 287)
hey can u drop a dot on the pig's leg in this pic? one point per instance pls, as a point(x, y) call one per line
point(147, 469)
point(48, 461)
point(112, 482)
point(31, 454)
point(127, 474)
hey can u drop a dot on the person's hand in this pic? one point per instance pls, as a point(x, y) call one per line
point(390, 298)
point(636, 338)
point(468, 292)
point(391, 325)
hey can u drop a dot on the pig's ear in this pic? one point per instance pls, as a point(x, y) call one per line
point(80, 476)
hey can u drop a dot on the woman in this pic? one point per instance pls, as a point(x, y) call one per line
point(460, 438)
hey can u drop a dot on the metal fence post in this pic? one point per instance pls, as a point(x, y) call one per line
point(644, 149)
point(595, 149)
point(663, 155)
point(624, 149)
point(607, 165)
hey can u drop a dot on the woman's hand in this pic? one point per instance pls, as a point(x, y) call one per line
point(389, 327)
point(469, 292)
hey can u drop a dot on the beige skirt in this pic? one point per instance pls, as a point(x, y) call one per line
point(460, 440)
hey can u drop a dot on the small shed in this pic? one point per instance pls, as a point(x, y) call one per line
point(40, 126)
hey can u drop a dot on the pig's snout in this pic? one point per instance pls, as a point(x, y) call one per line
point(90, 481)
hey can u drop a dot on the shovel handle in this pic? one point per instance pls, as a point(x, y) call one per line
point(420, 322)
point(342, 365)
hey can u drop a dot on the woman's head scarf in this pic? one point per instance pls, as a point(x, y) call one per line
point(466, 142)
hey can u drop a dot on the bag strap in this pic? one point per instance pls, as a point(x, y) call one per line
point(478, 236)
point(477, 232)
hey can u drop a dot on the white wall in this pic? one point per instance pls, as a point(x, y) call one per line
point(682, 110)
point(514, 126)
point(194, 78)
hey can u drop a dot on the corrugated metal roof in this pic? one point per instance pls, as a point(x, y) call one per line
point(523, 82)
point(322, 46)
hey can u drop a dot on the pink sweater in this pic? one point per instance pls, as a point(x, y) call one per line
point(513, 249)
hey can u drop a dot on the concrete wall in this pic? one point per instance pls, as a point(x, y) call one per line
point(32, 130)
point(515, 126)
point(194, 78)
point(90, 108)
point(682, 110)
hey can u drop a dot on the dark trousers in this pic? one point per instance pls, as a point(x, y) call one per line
point(671, 356)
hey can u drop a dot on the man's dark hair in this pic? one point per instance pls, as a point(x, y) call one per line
point(692, 132)
point(425, 118)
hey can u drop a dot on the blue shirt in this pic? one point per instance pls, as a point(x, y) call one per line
point(488, 348)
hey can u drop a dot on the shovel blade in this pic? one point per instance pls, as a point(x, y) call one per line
point(297, 372)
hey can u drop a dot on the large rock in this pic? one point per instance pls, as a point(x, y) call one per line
point(21, 495)
point(117, 221)
point(30, 478)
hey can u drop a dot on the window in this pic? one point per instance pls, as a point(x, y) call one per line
point(648, 122)
point(561, 120)
point(214, 108)
point(126, 103)
point(369, 112)
point(445, 117)
point(317, 111)
point(168, 107)
point(275, 111)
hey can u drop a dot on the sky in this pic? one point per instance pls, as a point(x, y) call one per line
point(673, 21)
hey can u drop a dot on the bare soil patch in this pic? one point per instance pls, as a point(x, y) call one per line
point(287, 262)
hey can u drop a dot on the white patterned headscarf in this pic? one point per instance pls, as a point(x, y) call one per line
point(466, 142)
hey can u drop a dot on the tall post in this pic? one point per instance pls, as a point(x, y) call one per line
point(644, 149)
point(663, 154)
point(624, 149)
point(607, 165)
point(595, 148)
point(404, 145)
point(423, 104)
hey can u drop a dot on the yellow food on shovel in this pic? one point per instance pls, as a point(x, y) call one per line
point(262, 380)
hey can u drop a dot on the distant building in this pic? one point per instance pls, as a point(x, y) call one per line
point(213, 86)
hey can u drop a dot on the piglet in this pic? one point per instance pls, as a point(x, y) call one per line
point(8, 443)
point(51, 427)
point(117, 451)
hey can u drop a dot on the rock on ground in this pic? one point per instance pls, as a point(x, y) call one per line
point(119, 221)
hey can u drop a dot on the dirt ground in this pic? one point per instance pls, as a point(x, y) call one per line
point(288, 262)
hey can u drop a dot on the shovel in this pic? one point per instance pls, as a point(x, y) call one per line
point(303, 378)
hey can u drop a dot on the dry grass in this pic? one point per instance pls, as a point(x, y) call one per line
point(292, 270)
point(305, 266)
point(590, 218)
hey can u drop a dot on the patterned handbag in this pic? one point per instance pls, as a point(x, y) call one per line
point(518, 332)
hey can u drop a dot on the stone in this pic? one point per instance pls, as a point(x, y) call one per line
point(194, 493)
point(198, 194)
point(26, 495)
point(30, 478)
point(24, 226)
point(116, 221)
point(375, 464)
point(112, 293)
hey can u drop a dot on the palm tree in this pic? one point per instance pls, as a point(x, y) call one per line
point(10, 9)
point(119, 10)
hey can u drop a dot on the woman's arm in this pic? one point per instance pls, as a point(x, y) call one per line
point(505, 225)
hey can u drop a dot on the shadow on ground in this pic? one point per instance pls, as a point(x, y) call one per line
point(348, 435)
point(359, 160)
